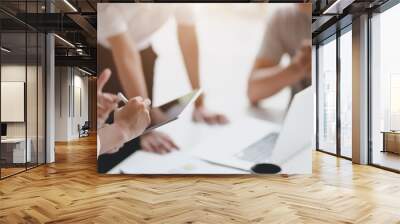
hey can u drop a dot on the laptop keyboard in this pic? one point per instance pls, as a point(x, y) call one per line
point(260, 151)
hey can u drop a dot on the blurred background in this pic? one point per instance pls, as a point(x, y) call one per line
point(229, 38)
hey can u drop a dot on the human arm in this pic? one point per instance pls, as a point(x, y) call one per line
point(189, 46)
point(268, 77)
point(129, 66)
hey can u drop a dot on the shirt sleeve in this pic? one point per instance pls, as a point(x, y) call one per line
point(184, 14)
point(272, 47)
point(110, 21)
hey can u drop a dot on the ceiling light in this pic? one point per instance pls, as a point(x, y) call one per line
point(84, 71)
point(65, 41)
point(337, 7)
point(70, 5)
point(5, 50)
point(79, 51)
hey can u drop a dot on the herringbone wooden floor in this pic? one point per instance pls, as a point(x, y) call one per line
point(70, 191)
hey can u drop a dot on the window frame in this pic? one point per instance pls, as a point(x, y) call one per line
point(27, 29)
point(333, 37)
point(371, 13)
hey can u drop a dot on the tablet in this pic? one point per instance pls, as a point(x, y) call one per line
point(171, 110)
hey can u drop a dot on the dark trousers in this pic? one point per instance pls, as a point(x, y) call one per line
point(105, 60)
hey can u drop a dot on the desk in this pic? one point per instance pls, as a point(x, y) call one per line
point(13, 150)
point(187, 135)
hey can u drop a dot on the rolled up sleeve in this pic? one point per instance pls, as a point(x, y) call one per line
point(110, 22)
point(184, 14)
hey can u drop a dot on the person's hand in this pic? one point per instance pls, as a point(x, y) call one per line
point(106, 102)
point(302, 59)
point(157, 142)
point(133, 118)
point(201, 114)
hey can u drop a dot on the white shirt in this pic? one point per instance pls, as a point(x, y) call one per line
point(139, 20)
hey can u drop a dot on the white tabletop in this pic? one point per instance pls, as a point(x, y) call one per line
point(188, 135)
point(13, 140)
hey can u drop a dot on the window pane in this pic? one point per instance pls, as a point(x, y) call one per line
point(346, 94)
point(327, 97)
point(13, 86)
point(385, 114)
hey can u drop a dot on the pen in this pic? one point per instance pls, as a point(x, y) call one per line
point(122, 97)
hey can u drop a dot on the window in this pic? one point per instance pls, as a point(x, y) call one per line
point(22, 76)
point(327, 96)
point(385, 89)
point(346, 93)
point(394, 102)
point(14, 153)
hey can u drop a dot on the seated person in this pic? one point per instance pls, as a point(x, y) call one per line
point(288, 31)
point(129, 121)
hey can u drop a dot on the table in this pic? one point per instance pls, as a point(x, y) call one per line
point(13, 150)
point(391, 141)
point(187, 135)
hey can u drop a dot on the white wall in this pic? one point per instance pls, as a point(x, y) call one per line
point(69, 82)
point(16, 73)
point(12, 73)
point(33, 126)
point(80, 84)
point(61, 104)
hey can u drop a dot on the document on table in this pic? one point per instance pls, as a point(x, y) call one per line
point(177, 162)
point(201, 145)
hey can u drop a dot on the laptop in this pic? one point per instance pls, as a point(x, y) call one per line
point(274, 146)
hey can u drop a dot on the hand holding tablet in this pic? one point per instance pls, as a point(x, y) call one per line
point(133, 118)
point(167, 112)
point(122, 98)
